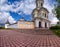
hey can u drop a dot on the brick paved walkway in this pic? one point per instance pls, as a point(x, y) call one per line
point(12, 38)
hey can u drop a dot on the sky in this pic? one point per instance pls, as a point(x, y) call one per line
point(14, 10)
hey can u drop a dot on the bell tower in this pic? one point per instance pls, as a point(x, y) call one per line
point(40, 15)
point(39, 3)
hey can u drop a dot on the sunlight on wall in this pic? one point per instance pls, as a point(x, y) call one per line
point(25, 25)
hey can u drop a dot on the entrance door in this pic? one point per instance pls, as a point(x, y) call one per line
point(45, 25)
point(39, 24)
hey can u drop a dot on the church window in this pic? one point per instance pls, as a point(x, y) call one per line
point(39, 24)
point(45, 25)
point(41, 4)
point(45, 15)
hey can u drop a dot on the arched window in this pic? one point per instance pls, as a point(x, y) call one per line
point(45, 14)
point(41, 4)
point(45, 25)
point(39, 24)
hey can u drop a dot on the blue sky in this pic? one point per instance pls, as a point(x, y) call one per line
point(14, 10)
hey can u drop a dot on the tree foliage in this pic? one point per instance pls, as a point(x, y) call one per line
point(58, 1)
point(58, 9)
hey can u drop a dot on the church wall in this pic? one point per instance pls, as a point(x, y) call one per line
point(42, 14)
point(25, 25)
point(48, 25)
point(43, 24)
point(37, 23)
point(11, 26)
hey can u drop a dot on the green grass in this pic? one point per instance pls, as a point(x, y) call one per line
point(57, 32)
point(2, 27)
point(6, 28)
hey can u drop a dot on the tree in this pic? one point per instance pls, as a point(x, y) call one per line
point(58, 10)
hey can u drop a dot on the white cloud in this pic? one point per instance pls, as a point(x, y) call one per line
point(52, 17)
point(4, 16)
point(5, 7)
point(11, 20)
point(2, 1)
point(54, 20)
point(25, 6)
point(4, 12)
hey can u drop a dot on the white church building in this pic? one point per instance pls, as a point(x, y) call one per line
point(40, 18)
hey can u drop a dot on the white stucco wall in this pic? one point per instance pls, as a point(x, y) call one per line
point(6, 25)
point(11, 26)
point(43, 24)
point(37, 23)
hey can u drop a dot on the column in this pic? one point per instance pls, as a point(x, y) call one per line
point(43, 24)
point(37, 23)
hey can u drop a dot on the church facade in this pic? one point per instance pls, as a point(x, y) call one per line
point(40, 15)
point(40, 18)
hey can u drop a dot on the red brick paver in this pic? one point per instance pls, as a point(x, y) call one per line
point(12, 38)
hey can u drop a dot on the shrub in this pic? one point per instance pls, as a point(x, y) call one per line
point(56, 30)
point(55, 27)
point(2, 27)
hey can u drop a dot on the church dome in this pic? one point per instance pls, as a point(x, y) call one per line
point(40, 0)
point(22, 20)
point(41, 9)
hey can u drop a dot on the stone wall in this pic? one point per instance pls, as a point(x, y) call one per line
point(25, 25)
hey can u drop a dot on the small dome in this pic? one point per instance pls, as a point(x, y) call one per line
point(21, 19)
point(44, 9)
point(40, 0)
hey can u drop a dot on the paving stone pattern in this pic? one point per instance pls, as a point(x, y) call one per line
point(19, 38)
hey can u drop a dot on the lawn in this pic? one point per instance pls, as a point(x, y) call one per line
point(57, 32)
